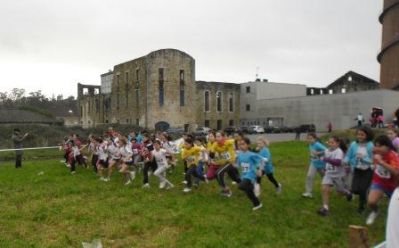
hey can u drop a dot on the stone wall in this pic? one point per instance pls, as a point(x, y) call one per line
point(226, 117)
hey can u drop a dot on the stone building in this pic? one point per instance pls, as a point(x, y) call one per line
point(156, 88)
point(217, 104)
point(388, 57)
point(349, 82)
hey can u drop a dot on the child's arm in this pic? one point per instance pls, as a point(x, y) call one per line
point(392, 168)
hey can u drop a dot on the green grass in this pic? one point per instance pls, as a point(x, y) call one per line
point(57, 209)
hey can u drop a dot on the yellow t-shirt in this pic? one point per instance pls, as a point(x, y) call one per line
point(225, 153)
point(191, 155)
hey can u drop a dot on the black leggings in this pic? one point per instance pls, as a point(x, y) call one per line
point(271, 178)
point(231, 171)
point(147, 166)
point(94, 160)
point(247, 186)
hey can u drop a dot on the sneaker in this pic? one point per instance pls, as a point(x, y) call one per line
point(257, 189)
point(184, 182)
point(322, 211)
point(128, 182)
point(279, 189)
point(372, 216)
point(73, 172)
point(102, 178)
point(257, 207)
point(227, 193)
point(186, 190)
point(162, 185)
point(170, 186)
point(132, 175)
point(233, 182)
point(146, 186)
point(107, 179)
point(349, 197)
point(307, 195)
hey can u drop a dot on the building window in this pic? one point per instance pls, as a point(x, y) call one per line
point(206, 101)
point(248, 107)
point(231, 123)
point(117, 92)
point(248, 89)
point(161, 86)
point(330, 92)
point(127, 94)
point(161, 93)
point(219, 124)
point(126, 77)
point(219, 101)
point(343, 90)
point(321, 92)
point(81, 111)
point(206, 124)
point(138, 122)
point(312, 91)
point(97, 106)
point(181, 87)
point(231, 102)
point(350, 78)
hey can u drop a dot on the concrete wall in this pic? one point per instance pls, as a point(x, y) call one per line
point(340, 109)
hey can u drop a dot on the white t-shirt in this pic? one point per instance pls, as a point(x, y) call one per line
point(113, 151)
point(102, 151)
point(362, 152)
point(126, 152)
point(160, 157)
point(334, 154)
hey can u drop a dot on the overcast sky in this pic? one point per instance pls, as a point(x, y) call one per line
point(51, 45)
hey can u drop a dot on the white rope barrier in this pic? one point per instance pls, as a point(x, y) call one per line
point(30, 148)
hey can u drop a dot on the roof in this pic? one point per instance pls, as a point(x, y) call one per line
point(8, 116)
point(352, 73)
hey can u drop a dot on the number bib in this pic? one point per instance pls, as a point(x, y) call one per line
point(330, 167)
point(225, 156)
point(245, 167)
point(191, 159)
point(382, 172)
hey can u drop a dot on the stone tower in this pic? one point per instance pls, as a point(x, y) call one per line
point(389, 55)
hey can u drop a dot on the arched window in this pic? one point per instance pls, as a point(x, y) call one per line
point(206, 101)
point(231, 102)
point(181, 87)
point(219, 101)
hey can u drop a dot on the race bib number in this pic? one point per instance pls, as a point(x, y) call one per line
point(135, 151)
point(225, 156)
point(191, 159)
point(362, 166)
point(382, 172)
point(245, 167)
point(330, 167)
point(160, 161)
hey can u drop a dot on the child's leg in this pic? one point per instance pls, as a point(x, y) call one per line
point(325, 195)
point(147, 166)
point(309, 179)
point(247, 186)
point(220, 175)
point(233, 173)
point(374, 197)
point(190, 171)
point(272, 180)
point(73, 165)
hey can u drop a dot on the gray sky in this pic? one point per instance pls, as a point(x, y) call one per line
point(50, 45)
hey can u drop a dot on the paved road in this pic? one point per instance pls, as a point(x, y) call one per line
point(275, 137)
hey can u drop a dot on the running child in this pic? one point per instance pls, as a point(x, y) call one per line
point(191, 154)
point(125, 150)
point(159, 155)
point(102, 163)
point(93, 149)
point(385, 175)
point(248, 161)
point(114, 156)
point(225, 157)
point(335, 173)
point(360, 159)
point(393, 135)
point(148, 159)
point(268, 168)
point(317, 150)
point(137, 158)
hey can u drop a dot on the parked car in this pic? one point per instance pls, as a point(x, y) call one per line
point(175, 132)
point(230, 130)
point(256, 129)
point(269, 129)
point(306, 128)
point(202, 131)
point(243, 129)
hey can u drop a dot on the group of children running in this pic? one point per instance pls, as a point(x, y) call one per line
point(368, 168)
point(204, 159)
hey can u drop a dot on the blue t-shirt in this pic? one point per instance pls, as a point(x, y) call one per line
point(139, 138)
point(268, 166)
point(248, 163)
point(315, 160)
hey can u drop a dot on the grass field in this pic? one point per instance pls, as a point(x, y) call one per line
point(57, 209)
